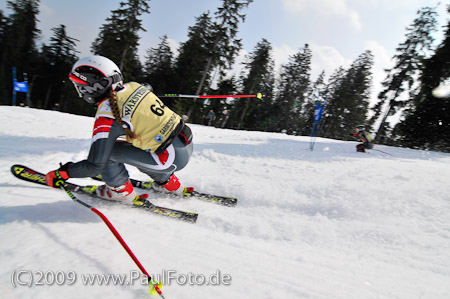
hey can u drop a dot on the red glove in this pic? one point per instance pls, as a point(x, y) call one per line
point(57, 177)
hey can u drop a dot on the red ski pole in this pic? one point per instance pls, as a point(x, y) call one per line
point(116, 234)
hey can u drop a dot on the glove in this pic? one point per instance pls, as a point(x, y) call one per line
point(57, 177)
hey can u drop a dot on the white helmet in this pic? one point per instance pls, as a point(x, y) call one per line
point(148, 86)
point(360, 129)
point(94, 76)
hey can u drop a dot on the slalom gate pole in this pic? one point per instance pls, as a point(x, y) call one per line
point(115, 233)
point(175, 95)
point(313, 137)
point(317, 118)
point(382, 152)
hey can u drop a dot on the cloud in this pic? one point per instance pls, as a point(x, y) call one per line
point(174, 46)
point(326, 58)
point(281, 55)
point(391, 5)
point(382, 61)
point(238, 66)
point(338, 8)
point(382, 55)
point(45, 10)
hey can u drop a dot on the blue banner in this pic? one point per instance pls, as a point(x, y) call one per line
point(21, 86)
point(318, 113)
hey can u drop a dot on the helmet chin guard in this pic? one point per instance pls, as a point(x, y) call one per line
point(94, 77)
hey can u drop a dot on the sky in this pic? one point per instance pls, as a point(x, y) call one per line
point(338, 31)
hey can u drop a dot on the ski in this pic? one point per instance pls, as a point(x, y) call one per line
point(222, 200)
point(218, 199)
point(29, 175)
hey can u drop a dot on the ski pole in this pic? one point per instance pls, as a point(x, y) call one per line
point(116, 234)
point(382, 152)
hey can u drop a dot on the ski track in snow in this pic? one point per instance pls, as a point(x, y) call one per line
point(330, 223)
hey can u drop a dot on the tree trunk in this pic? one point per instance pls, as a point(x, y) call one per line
point(47, 96)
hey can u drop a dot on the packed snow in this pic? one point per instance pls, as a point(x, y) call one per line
point(328, 223)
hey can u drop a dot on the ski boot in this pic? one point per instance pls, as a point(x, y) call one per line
point(172, 186)
point(123, 193)
point(360, 148)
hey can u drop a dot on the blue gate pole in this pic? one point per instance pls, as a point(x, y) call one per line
point(317, 118)
point(25, 77)
point(313, 132)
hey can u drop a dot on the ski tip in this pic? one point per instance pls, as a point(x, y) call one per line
point(232, 202)
point(27, 174)
point(221, 200)
point(16, 168)
point(171, 213)
point(191, 219)
point(187, 217)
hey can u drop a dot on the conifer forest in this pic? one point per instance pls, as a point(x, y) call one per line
point(201, 67)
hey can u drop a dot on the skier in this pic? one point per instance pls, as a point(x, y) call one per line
point(132, 126)
point(360, 132)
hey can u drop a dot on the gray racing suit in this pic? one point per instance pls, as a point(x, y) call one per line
point(107, 156)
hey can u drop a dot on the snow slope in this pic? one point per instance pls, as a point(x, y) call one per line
point(331, 223)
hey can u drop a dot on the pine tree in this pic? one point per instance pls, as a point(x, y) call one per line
point(18, 47)
point(400, 85)
point(59, 58)
point(258, 78)
point(225, 45)
point(4, 69)
point(222, 107)
point(158, 69)
point(3, 24)
point(308, 110)
point(348, 98)
point(333, 109)
point(427, 123)
point(294, 85)
point(192, 56)
point(118, 38)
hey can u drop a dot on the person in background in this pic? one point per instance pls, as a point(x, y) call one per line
point(224, 118)
point(364, 136)
point(56, 107)
point(210, 117)
point(132, 126)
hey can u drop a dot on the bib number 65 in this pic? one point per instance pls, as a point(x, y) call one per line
point(158, 109)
